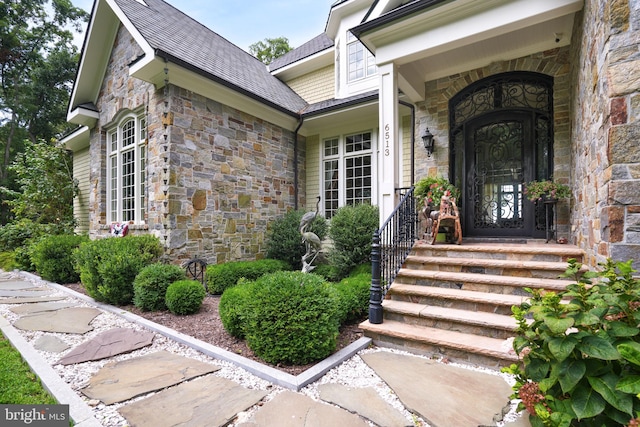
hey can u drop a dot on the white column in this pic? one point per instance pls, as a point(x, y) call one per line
point(388, 140)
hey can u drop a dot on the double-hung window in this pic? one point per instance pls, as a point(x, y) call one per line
point(127, 170)
point(361, 62)
point(347, 171)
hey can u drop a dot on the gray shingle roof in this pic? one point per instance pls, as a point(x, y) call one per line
point(168, 30)
point(313, 46)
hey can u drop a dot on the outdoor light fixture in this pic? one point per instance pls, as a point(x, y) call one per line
point(427, 139)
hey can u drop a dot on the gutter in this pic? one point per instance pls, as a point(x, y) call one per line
point(394, 15)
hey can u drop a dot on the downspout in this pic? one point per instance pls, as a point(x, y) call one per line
point(295, 163)
point(413, 138)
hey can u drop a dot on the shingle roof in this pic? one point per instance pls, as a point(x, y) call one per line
point(313, 46)
point(335, 104)
point(168, 30)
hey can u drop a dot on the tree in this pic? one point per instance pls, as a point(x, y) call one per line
point(270, 49)
point(37, 66)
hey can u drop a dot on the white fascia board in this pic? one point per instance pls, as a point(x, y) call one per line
point(83, 116)
point(77, 140)
point(337, 13)
point(141, 41)
point(306, 65)
point(459, 27)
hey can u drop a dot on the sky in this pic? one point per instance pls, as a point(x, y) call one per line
point(244, 22)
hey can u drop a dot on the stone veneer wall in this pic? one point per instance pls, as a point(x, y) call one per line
point(606, 130)
point(226, 177)
point(434, 114)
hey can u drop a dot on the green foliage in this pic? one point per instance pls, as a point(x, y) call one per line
point(20, 386)
point(234, 306)
point(53, 257)
point(269, 49)
point(354, 295)
point(582, 357)
point(108, 267)
point(291, 318)
point(8, 261)
point(431, 189)
point(223, 276)
point(150, 285)
point(351, 232)
point(285, 241)
point(537, 190)
point(185, 297)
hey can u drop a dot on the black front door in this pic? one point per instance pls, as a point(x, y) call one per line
point(499, 160)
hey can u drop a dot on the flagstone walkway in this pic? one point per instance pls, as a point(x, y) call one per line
point(134, 373)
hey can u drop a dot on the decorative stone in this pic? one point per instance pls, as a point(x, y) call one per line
point(624, 78)
point(618, 111)
point(15, 285)
point(26, 300)
point(209, 401)
point(107, 344)
point(199, 200)
point(74, 320)
point(124, 380)
point(51, 344)
point(623, 143)
point(41, 307)
point(624, 192)
point(35, 292)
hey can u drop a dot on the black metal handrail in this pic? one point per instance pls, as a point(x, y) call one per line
point(391, 245)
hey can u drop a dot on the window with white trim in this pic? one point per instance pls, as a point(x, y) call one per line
point(127, 170)
point(347, 171)
point(361, 63)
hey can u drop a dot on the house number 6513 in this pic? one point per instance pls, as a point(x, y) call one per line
point(387, 137)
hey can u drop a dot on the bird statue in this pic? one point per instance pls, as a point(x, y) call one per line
point(308, 217)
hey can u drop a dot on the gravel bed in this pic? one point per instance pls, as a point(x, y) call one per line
point(354, 372)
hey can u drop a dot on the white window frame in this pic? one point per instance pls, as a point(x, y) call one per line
point(355, 49)
point(335, 156)
point(126, 148)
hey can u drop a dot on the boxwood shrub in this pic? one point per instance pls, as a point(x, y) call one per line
point(234, 305)
point(150, 285)
point(354, 295)
point(222, 276)
point(185, 297)
point(291, 318)
point(53, 257)
point(109, 266)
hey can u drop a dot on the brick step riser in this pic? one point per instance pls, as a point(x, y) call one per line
point(519, 272)
point(449, 325)
point(511, 256)
point(452, 303)
point(437, 350)
point(467, 286)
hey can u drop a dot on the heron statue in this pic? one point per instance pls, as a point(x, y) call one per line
point(308, 217)
point(311, 240)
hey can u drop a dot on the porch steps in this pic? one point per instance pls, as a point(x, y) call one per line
point(454, 301)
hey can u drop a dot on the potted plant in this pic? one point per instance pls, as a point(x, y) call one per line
point(429, 191)
point(546, 190)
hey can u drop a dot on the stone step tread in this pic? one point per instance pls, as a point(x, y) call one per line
point(486, 279)
point(477, 318)
point(488, 262)
point(497, 348)
point(570, 251)
point(457, 294)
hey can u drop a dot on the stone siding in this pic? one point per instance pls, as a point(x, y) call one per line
point(606, 130)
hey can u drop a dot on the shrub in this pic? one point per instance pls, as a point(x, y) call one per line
point(291, 318)
point(53, 257)
point(150, 285)
point(109, 266)
point(233, 307)
point(354, 295)
point(284, 241)
point(351, 232)
point(431, 189)
point(21, 236)
point(222, 276)
point(185, 297)
point(8, 260)
point(581, 358)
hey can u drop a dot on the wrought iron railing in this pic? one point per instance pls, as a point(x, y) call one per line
point(391, 245)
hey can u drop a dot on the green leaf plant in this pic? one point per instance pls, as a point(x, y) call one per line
point(580, 350)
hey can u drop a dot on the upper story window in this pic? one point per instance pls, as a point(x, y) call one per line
point(347, 171)
point(361, 63)
point(126, 174)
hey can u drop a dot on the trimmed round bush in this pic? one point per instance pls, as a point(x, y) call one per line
point(354, 294)
point(150, 285)
point(184, 297)
point(292, 318)
point(53, 257)
point(220, 277)
point(233, 307)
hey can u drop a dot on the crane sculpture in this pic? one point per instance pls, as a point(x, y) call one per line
point(311, 240)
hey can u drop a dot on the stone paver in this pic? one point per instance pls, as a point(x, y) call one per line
point(443, 395)
point(289, 409)
point(30, 293)
point(365, 402)
point(124, 380)
point(29, 300)
point(74, 320)
point(41, 307)
point(107, 344)
point(15, 285)
point(207, 402)
point(50, 344)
